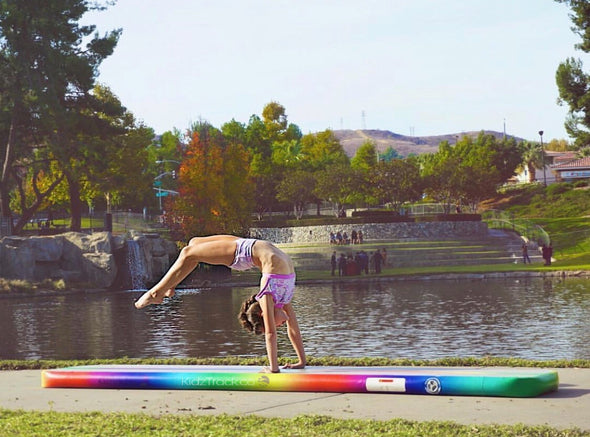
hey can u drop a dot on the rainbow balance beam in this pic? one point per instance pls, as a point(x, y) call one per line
point(507, 382)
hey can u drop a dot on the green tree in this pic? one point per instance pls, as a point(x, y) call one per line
point(504, 156)
point(293, 132)
point(256, 137)
point(396, 182)
point(277, 125)
point(469, 171)
point(532, 158)
point(36, 179)
point(262, 172)
point(322, 149)
point(297, 188)
point(274, 146)
point(479, 171)
point(558, 145)
point(389, 154)
point(234, 132)
point(287, 154)
point(365, 157)
point(319, 151)
point(123, 175)
point(49, 65)
point(275, 120)
point(111, 161)
point(96, 129)
point(440, 174)
point(166, 151)
point(573, 83)
point(339, 184)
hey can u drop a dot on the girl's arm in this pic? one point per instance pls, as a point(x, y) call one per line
point(295, 337)
point(270, 332)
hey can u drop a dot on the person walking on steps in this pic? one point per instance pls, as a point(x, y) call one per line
point(525, 253)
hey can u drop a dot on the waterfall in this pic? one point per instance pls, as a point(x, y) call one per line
point(136, 265)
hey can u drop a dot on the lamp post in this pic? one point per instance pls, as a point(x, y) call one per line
point(158, 183)
point(543, 150)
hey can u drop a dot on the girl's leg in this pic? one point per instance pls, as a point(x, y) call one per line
point(217, 249)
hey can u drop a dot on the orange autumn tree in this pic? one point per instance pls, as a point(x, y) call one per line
point(215, 195)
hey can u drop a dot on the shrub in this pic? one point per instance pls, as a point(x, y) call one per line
point(458, 218)
point(283, 222)
point(375, 213)
point(555, 189)
point(515, 189)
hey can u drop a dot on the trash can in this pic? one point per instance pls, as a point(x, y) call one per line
point(108, 222)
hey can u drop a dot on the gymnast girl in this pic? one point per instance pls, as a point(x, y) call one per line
point(263, 312)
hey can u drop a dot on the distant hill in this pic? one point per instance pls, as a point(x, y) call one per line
point(351, 140)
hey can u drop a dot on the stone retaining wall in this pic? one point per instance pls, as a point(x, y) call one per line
point(374, 231)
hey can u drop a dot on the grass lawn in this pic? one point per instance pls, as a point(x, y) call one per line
point(19, 423)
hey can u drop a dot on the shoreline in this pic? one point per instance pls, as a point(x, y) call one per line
point(554, 274)
point(250, 282)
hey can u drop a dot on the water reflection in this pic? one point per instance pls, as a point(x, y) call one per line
point(532, 318)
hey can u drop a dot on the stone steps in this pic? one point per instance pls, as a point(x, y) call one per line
point(497, 248)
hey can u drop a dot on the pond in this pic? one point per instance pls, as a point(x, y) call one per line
point(522, 318)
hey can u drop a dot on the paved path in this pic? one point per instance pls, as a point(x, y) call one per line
point(569, 407)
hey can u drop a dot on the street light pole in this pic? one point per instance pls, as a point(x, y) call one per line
point(158, 186)
point(173, 173)
point(543, 150)
point(160, 189)
point(161, 161)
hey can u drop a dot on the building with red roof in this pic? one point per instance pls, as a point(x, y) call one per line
point(572, 170)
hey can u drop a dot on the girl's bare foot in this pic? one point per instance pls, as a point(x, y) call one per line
point(149, 298)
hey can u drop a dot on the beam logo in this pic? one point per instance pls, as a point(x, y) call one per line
point(432, 386)
point(264, 380)
point(215, 381)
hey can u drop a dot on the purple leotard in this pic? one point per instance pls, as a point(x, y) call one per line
point(280, 287)
point(243, 258)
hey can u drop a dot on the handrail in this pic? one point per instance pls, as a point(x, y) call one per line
point(498, 219)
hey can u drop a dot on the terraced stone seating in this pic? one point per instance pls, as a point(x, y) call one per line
point(498, 247)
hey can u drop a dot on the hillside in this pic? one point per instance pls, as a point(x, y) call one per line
point(351, 140)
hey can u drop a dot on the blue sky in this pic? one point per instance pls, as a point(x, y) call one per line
point(421, 67)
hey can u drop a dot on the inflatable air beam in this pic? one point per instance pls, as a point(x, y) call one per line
point(491, 381)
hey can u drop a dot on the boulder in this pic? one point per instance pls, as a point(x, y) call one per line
point(90, 243)
point(16, 258)
point(47, 249)
point(82, 258)
point(99, 269)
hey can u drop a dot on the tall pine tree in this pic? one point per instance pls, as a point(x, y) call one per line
point(49, 63)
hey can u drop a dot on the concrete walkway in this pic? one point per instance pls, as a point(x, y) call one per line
point(569, 407)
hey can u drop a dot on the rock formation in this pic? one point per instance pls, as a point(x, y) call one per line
point(78, 258)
